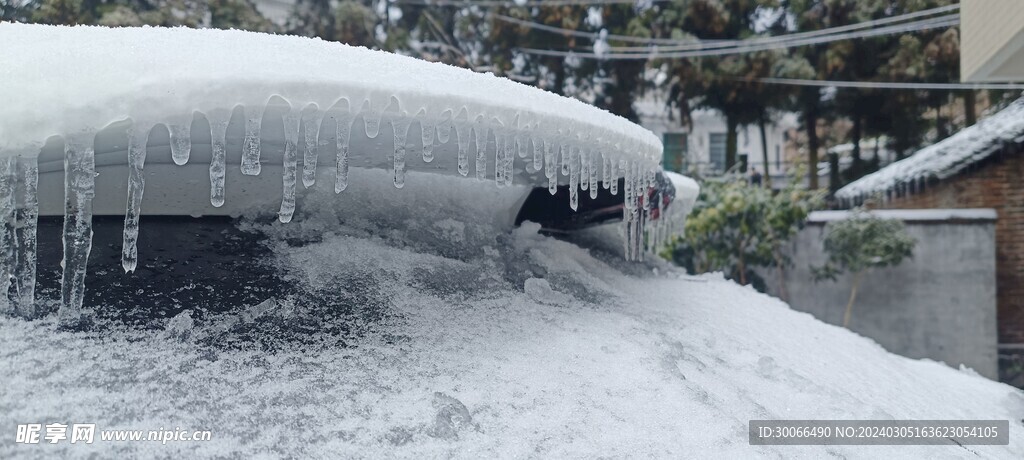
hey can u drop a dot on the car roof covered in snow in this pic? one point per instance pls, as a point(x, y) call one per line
point(62, 80)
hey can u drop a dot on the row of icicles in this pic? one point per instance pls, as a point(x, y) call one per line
point(19, 177)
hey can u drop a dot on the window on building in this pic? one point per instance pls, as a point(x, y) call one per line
point(674, 158)
point(716, 151)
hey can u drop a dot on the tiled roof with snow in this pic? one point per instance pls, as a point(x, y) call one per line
point(947, 157)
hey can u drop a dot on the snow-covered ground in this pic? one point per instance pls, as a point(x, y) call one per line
point(428, 330)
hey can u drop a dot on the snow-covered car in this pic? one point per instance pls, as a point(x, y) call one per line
point(244, 303)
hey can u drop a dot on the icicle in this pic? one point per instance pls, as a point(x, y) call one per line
point(523, 145)
point(510, 159)
point(538, 155)
point(8, 238)
point(79, 189)
point(444, 129)
point(574, 177)
point(666, 227)
point(606, 171)
point(138, 134)
point(517, 140)
point(636, 212)
point(549, 167)
point(628, 198)
point(289, 166)
point(181, 139)
point(641, 212)
point(584, 159)
point(427, 128)
point(310, 133)
point(27, 215)
point(618, 171)
point(499, 157)
point(342, 137)
point(481, 148)
point(371, 119)
point(251, 147)
point(218, 159)
point(462, 131)
point(633, 174)
point(401, 127)
point(565, 160)
point(592, 169)
point(641, 186)
point(627, 215)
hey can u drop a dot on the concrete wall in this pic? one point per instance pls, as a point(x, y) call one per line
point(939, 305)
point(993, 183)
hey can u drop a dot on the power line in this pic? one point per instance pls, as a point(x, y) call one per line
point(888, 85)
point(673, 41)
point(580, 33)
point(940, 21)
point(787, 37)
point(899, 28)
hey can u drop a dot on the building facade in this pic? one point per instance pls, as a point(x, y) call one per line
point(700, 149)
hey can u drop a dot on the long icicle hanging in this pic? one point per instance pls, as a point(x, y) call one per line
point(251, 145)
point(138, 134)
point(27, 215)
point(344, 119)
point(289, 166)
point(79, 189)
point(8, 238)
point(218, 159)
point(310, 132)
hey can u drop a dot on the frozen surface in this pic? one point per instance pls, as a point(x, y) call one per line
point(947, 157)
point(421, 326)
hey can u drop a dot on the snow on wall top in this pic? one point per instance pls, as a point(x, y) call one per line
point(948, 157)
point(911, 215)
point(62, 80)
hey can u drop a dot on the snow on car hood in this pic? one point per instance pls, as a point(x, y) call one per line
point(436, 332)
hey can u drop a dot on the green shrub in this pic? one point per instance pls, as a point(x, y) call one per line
point(735, 227)
point(859, 244)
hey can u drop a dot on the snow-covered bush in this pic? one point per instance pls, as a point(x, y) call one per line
point(736, 227)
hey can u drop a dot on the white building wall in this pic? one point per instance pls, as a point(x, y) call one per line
point(654, 115)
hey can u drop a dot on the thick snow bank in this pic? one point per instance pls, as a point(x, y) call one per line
point(427, 332)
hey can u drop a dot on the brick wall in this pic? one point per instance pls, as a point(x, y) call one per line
point(998, 183)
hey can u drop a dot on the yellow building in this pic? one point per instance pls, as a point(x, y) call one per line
point(991, 41)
